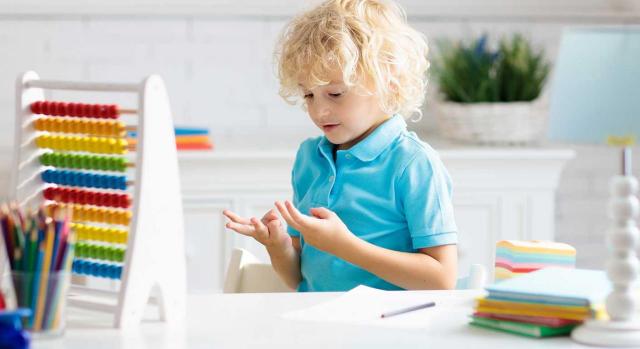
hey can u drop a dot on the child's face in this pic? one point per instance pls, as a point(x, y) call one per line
point(344, 115)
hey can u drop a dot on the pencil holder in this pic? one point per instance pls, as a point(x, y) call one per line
point(45, 294)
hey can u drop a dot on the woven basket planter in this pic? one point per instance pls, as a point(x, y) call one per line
point(515, 123)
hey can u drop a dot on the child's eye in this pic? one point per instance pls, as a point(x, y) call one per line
point(335, 94)
point(308, 95)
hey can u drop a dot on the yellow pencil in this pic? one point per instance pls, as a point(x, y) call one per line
point(67, 266)
point(44, 277)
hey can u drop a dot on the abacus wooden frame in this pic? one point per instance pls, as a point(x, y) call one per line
point(155, 260)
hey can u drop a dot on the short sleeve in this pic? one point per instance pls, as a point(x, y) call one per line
point(425, 191)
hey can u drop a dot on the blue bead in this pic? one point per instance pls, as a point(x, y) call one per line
point(46, 176)
point(65, 177)
point(102, 180)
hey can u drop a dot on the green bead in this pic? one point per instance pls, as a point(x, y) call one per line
point(80, 247)
point(68, 160)
point(113, 164)
point(107, 253)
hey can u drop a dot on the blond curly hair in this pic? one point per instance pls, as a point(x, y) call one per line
point(368, 42)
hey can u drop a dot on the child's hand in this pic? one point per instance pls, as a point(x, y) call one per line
point(268, 231)
point(324, 230)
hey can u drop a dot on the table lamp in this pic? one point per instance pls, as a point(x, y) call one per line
point(596, 99)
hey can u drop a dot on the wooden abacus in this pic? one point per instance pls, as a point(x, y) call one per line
point(130, 230)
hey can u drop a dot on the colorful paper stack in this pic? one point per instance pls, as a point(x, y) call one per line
point(515, 257)
point(40, 246)
point(546, 302)
point(187, 138)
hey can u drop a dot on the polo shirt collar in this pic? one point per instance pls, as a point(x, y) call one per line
point(373, 145)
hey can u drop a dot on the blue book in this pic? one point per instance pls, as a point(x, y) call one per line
point(581, 287)
point(181, 131)
point(191, 131)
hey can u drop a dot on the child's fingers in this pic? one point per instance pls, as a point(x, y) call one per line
point(295, 215)
point(235, 218)
point(269, 216)
point(243, 229)
point(285, 215)
point(274, 225)
point(261, 230)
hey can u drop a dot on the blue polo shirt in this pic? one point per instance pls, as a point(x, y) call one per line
point(390, 189)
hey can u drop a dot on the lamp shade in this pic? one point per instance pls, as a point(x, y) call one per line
point(596, 85)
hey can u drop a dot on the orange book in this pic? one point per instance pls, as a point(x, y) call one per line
point(192, 139)
point(194, 146)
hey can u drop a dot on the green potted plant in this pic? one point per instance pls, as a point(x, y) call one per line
point(490, 96)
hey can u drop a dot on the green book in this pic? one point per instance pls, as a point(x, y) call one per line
point(522, 328)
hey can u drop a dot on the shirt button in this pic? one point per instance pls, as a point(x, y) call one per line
point(348, 156)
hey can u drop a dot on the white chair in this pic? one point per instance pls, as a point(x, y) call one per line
point(246, 274)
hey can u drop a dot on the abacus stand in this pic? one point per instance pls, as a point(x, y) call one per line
point(154, 256)
point(623, 328)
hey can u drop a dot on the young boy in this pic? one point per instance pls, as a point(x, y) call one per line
point(372, 203)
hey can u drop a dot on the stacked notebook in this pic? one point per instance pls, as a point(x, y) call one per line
point(546, 302)
point(187, 138)
point(514, 257)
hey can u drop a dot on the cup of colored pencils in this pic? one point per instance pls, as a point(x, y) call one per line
point(40, 245)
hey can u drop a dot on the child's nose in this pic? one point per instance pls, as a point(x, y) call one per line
point(321, 109)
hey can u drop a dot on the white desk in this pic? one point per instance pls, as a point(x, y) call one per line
point(254, 321)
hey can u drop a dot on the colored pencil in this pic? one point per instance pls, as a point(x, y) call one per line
point(44, 276)
point(40, 249)
point(52, 321)
point(36, 283)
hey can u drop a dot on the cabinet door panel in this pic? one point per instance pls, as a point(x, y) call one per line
point(477, 220)
point(206, 244)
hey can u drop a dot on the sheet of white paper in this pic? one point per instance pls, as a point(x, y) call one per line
point(363, 306)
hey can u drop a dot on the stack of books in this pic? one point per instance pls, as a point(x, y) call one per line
point(546, 302)
point(187, 138)
point(515, 257)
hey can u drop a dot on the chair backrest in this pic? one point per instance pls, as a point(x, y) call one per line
point(246, 274)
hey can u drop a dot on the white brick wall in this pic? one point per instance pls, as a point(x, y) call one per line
point(219, 74)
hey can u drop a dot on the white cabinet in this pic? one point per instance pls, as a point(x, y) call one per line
point(498, 194)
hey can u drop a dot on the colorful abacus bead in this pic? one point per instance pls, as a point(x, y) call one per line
point(108, 128)
point(85, 267)
point(89, 144)
point(104, 111)
point(100, 214)
point(100, 252)
point(103, 234)
point(81, 179)
point(87, 197)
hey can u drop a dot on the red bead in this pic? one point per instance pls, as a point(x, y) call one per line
point(72, 109)
point(80, 198)
point(62, 109)
point(71, 196)
point(45, 108)
point(62, 195)
point(113, 111)
point(59, 109)
point(95, 111)
point(86, 110)
point(36, 107)
point(102, 111)
point(48, 193)
point(53, 109)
